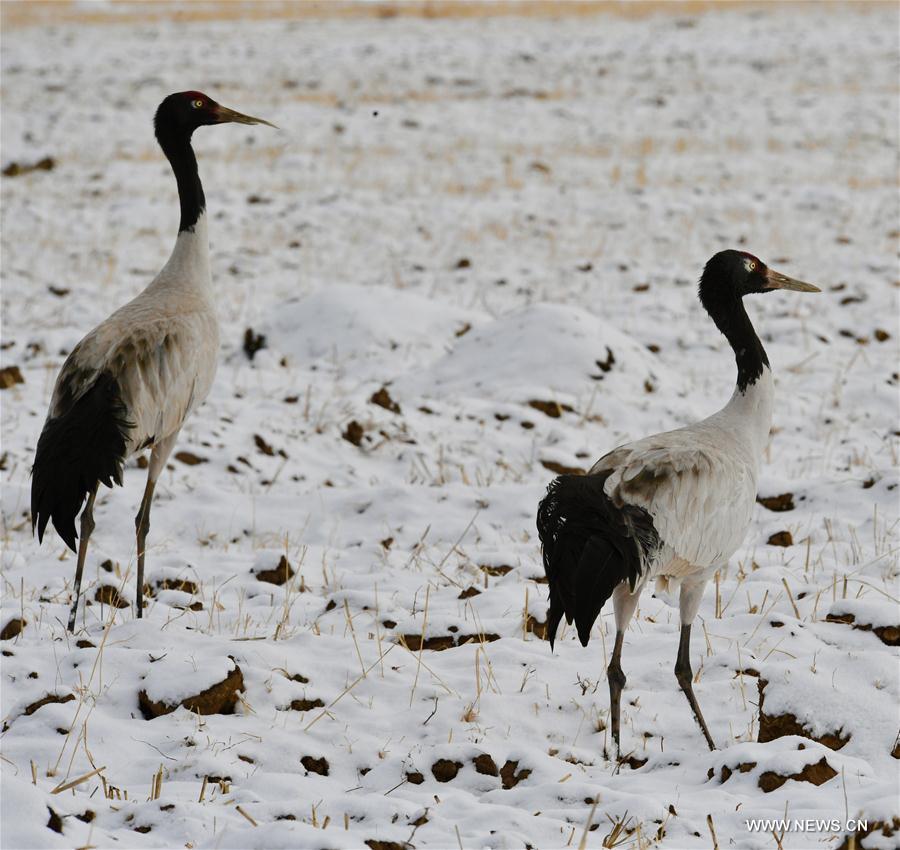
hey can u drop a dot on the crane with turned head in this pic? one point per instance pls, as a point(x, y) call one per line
point(674, 506)
point(132, 381)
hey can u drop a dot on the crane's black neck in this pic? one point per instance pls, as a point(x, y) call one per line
point(177, 148)
point(726, 308)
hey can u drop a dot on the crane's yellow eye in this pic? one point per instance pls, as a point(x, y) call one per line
point(751, 265)
point(197, 104)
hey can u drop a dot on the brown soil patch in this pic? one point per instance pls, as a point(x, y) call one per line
point(107, 594)
point(536, 627)
point(562, 469)
point(553, 409)
point(386, 845)
point(383, 399)
point(306, 704)
point(12, 628)
point(354, 432)
point(486, 765)
point(500, 570)
point(817, 774)
point(469, 592)
point(781, 538)
point(183, 584)
point(510, 776)
point(415, 643)
point(221, 698)
point(442, 642)
point(772, 726)
point(444, 770)
point(10, 376)
point(415, 778)
point(189, 458)
point(281, 574)
point(55, 822)
point(784, 502)
point(726, 772)
point(889, 635)
point(487, 637)
point(46, 701)
point(315, 765)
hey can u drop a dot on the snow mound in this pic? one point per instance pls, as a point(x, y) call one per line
point(343, 323)
point(539, 350)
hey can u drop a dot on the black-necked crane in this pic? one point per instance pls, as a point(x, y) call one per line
point(673, 506)
point(134, 379)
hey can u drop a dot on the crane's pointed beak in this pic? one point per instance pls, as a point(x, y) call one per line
point(777, 280)
point(226, 115)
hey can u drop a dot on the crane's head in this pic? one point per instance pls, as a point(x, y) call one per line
point(730, 275)
point(183, 112)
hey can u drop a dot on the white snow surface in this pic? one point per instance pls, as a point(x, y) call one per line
point(473, 213)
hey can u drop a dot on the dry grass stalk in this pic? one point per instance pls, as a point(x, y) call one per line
point(84, 778)
point(412, 693)
point(241, 811)
point(712, 831)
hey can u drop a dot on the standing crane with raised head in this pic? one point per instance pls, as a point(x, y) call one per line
point(133, 380)
point(674, 506)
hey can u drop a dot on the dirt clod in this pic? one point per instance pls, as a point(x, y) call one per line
point(553, 409)
point(510, 776)
point(280, 574)
point(262, 446)
point(383, 399)
point(108, 594)
point(315, 765)
point(817, 774)
point(438, 643)
point(354, 432)
point(772, 726)
point(17, 169)
point(185, 585)
point(253, 342)
point(55, 822)
point(12, 628)
point(415, 778)
point(444, 770)
point(306, 704)
point(536, 627)
point(498, 570)
point(189, 458)
point(784, 502)
point(10, 376)
point(220, 698)
point(889, 635)
point(781, 538)
point(31, 709)
point(561, 468)
point(486, 765)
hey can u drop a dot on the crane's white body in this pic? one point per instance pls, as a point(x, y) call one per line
point(698, 483)
point(161, 347)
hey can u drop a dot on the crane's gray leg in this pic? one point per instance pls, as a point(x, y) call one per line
point(87, 526)
point(158, 457)
point(624, 603)
point(689, 602)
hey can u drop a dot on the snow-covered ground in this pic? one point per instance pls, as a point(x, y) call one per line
point(475, 214)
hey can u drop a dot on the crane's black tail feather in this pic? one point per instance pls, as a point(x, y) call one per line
point(589, 546)
point(77, 449)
